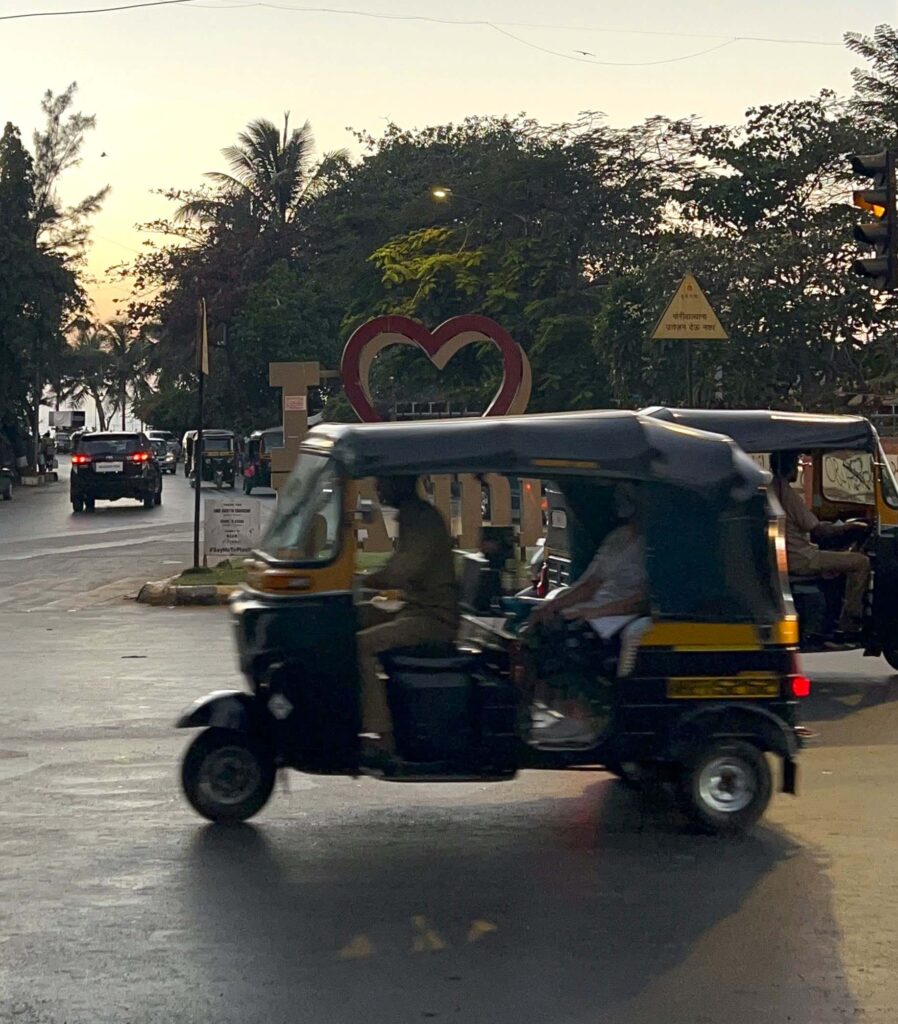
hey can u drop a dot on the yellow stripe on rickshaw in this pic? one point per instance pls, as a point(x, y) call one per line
point(699, 636)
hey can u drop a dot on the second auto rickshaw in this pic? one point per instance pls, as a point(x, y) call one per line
point(698, 693)
point(257, 457)
point(847, 476)
point(218, 464)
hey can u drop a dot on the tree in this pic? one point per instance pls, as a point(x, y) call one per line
point(41, 247)
point(17, 263)
point(272, 173)
point(876, 88)
point(86, 368)
point(128, 353)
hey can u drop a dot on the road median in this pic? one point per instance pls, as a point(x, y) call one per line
point(193, 587)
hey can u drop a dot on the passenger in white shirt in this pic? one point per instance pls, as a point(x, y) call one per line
point(612, 592)
point(614, 587)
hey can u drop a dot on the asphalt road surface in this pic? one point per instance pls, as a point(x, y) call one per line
point(559, 897)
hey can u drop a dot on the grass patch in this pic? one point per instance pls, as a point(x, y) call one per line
point(226, 575)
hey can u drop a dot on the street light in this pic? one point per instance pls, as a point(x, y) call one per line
point(441, 193)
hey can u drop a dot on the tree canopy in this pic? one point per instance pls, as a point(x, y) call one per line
point(573, 236)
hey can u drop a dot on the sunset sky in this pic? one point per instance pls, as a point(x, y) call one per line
point(172, 85)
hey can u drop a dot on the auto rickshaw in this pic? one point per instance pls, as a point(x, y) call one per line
point(699, 692)
point(219, 461)
point(257, 457)
point(847, 477)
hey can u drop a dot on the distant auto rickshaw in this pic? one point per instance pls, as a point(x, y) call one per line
point(218, 464)
point(849, 478)
point(698, 693)
point(257, 457)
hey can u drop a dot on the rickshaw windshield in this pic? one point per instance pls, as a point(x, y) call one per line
point(306, 525)
point(889, 483)
point(217, 444)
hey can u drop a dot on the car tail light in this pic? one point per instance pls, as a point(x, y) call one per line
point(801, 686)
point(80, 460)
point(141, 456)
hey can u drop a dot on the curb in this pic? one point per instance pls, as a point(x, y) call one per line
point(164, 592)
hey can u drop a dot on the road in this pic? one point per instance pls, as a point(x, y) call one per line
point(559, 897)
point(51, 559)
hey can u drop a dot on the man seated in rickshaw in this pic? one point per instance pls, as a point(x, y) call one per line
point(612, 592)
point(422, 568)
point(805, 558)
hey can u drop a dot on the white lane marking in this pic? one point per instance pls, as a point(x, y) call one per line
point(43, 552)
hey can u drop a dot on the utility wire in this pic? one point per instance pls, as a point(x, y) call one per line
point(432, 19)
point(610, 63)
point(90, 10)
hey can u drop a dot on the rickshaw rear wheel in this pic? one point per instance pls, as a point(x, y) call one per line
point(726, 787)
point(227, 776)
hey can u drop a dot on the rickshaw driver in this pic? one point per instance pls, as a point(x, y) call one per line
point(804, 557)
point(422, 568)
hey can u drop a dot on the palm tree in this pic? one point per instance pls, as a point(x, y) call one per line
point(128, 352)
point(272, 172)
point(85, 368)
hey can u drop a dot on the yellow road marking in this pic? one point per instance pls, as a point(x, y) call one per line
point(480, 928)
point(357, 948)
point(427, 940)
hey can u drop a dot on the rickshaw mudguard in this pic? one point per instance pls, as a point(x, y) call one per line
point(741, 721)
point(223, 709)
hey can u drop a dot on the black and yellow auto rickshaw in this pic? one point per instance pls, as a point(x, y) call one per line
point(219, 459)
point(257, 457)
point(846, 476)
point(700, 691)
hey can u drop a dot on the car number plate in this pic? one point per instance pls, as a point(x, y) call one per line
point(108, 467)
point(741, 687)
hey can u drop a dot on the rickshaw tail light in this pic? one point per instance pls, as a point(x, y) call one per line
point(801, 686)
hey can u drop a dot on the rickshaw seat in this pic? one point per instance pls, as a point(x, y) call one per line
point(427, 658)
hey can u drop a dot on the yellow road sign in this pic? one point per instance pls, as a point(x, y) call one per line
point(689, 316)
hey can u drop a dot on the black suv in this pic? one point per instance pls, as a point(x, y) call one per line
point(115, 465)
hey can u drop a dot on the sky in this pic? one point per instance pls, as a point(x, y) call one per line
point(171, 85)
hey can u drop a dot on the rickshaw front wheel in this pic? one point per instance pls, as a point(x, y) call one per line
point(726, 787)
point(227, 776)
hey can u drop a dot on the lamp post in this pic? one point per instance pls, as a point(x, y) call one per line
point(443, 193)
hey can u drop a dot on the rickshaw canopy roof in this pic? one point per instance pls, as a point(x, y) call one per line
point(616, 444)
point(766, 430)
point(256, 435)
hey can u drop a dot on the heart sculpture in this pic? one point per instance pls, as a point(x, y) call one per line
point(439, 346)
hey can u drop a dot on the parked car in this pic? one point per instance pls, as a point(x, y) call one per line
point(116, 465)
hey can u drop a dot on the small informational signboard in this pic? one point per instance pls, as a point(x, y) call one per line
point(689, 316)
point(295, 403)
point(231, 529)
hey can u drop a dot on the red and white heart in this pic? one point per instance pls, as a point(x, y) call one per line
point(439, 346)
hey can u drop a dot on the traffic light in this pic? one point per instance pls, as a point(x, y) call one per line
point(882, 234)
